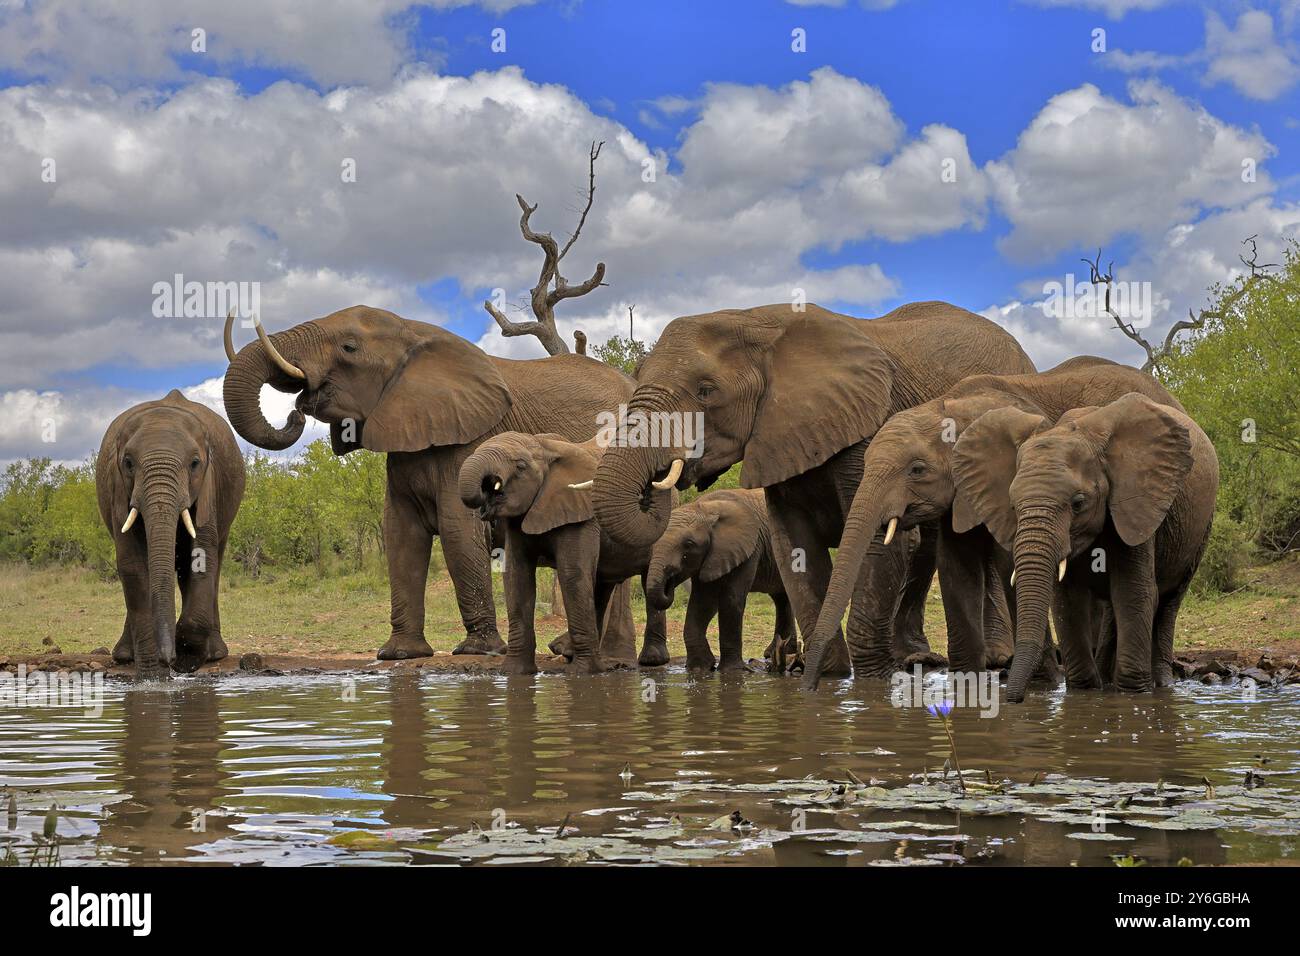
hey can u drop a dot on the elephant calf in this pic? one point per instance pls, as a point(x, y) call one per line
point(169, 479)
point(538, 485)
point(1114, 502)
point(722, 542)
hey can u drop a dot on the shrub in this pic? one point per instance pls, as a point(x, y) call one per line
point(1229, 550)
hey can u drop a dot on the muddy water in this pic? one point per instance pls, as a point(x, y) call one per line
point(404, 768)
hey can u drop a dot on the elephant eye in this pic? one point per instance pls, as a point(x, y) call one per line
point(1078, 501)
point(918, 469)
point(127, 463)
point(194, 465)
point(349, 347)
point(705, 390)
point(521, 465)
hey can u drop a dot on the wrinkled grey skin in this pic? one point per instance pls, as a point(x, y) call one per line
point(907, 477)
point(1124, 493)
point(722, 543)
point(426, 398)
point(522, 482)
point(161, 458)
point(797, 394)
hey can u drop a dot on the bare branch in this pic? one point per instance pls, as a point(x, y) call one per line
point(591, 195)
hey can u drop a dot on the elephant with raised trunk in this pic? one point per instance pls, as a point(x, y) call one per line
point(908, 481)
point(539, 487)
point(1114, 502)
point(722, 543)
point(797, 392)
point(427, 398)
point(169, 479)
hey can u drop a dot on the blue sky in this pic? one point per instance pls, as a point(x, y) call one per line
point(776, 169)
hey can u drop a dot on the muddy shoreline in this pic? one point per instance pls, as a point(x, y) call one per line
point(1273, 666)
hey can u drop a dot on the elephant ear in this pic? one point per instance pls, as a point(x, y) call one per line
point(1147, 454)
point(445, 391)
point(205, 505)
point(340, 444)
point(733, 539)
point(556, 504)
point(983, 465)
point(828, 386)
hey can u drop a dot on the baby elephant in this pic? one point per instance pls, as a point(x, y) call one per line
point(1114, 502)
point(528, 481)
point(169, 479)
point(722, 542)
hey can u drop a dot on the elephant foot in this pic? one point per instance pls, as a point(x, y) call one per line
point(997, 660)
point(588, 665)
point(1163, 676)
point(1049, 671)
point(653, 654)
point(521, 664)
point(732, 664)
point(562, 646)
point(835, 660)
point(874, 667)
point(700, 660)
point(123, 652)
point(404, 649)
point(488, 642)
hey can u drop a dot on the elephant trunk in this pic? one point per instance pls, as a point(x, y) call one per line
point(866, 515)
point(661, 582)
point(252, 368)
point(1042, 541)
point(627, 509)
point(483, 466)
point(160, 507)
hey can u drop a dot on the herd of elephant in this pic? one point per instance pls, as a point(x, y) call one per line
point(918, 441)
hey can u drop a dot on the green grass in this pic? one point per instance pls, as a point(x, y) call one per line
point(301, 612)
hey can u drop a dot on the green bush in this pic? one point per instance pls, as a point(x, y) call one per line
point(1228, 552)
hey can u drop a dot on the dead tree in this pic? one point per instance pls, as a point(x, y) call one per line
point(551, 287)
point(1259, 272)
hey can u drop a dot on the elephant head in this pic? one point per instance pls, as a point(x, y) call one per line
point(380, 381)
point(709, 537)
point(1046, 493)
point(906, 480)
point(514, 475)
point(782, 389)
point(157, 481)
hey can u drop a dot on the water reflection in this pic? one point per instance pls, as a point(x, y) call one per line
point(282, 770)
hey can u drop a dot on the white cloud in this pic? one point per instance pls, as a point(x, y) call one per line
point(1115, 9)
point(121, 41)
point(1250, 57)
point(1089, 168)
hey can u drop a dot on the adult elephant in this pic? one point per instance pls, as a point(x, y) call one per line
point(169, 479)
point(908, 480)
point(798, 394)
point(427, 398)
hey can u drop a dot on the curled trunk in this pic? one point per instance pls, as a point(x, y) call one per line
point(1042, 540)
point(627, 509)
point(242, 388)
point(658, 585)
point(473, 471)
point(861, 527)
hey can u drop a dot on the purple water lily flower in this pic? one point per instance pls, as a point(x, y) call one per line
point(943, 709)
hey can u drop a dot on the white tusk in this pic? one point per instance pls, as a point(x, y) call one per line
point(130, 520)
point(225, 336)
point(889, 531)
point(670, 479)
point(496, 485)
point(285, 365)
point(1013, 577)
point(583, 484)
point(189, 523)
point(1060, 570)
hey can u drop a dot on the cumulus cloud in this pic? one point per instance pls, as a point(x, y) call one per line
point(1090, 168)
point(1250, 56)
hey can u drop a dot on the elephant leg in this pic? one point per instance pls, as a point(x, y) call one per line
point(135, 591)
point(962, 584)
point(217, 649)
point(521, 607)
point(576, 553)
point(805, 568)
point(1162, 648)
point(1133, 598)
point(909, 621)
point(784, 631)
point(700, 611)
point(616, 644)
point(654, 646)
point(618, 629)
point(198, 584)
point(999, 635)
point(731, 622)
point(407, 546)
point(873, 612)
point(1105, 643)
point(465, 547)
point(1072, 615)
